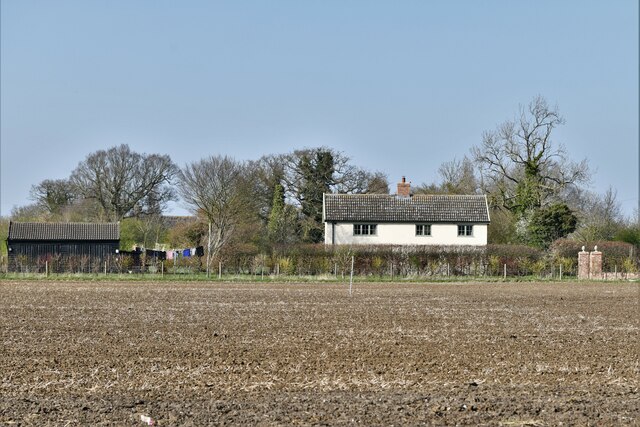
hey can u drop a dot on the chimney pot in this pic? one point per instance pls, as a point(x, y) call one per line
point(404, 188)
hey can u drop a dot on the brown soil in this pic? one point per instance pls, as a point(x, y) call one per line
point(519, 354)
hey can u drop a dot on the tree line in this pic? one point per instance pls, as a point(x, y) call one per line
point(537, 194)
point(273, 201)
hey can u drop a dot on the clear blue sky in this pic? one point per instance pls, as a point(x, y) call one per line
point(399, 86)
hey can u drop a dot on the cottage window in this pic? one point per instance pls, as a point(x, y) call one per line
point(364, 229)
point(465, 230)
point(423, 229)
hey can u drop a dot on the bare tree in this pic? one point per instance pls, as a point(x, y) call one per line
point(29, 213)
point(458, 177)
point(125, 183)
point(53, 195)
point(425, 188)
point(600, 217)
point(378, 183)
point(83, 210)
point(520, 165)
point(216, 188)
point(151, 228)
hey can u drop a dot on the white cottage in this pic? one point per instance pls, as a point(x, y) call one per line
point(405, 219)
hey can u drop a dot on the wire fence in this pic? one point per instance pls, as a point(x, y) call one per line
point(504, 261)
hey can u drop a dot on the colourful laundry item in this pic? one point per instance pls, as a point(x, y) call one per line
point(186, 252)
point(169, 254)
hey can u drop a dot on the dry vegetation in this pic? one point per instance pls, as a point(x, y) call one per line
point(193, 354)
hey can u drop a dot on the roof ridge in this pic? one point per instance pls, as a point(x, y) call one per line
point(448, 195)
point(395, 196)
point(63, 223)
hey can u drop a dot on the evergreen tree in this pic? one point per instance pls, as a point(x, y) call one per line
point(551, 223)
point(317, 170)
point(277, 224)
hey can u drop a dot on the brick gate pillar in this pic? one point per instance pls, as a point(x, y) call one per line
point(583, 264)
point(595, 264)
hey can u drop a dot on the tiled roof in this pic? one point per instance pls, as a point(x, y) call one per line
point(418, 208)
point(63, 231)
point(171, 221)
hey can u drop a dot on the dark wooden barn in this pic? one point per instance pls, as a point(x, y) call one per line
point(61, 246)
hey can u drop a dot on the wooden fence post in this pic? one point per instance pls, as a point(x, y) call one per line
point(351, 280)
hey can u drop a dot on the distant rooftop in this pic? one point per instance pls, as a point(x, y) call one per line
point(171, 221)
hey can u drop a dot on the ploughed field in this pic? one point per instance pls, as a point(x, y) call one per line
point(512, 354)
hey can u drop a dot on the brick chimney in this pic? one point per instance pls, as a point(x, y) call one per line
point(404, 188)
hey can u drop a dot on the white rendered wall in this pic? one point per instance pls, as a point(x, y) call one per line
point(405, 234)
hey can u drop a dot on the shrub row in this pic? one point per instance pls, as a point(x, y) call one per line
point(389, 260)
point(618, 256)
point(401, 261)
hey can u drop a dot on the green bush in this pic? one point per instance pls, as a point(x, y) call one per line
point(614, 253)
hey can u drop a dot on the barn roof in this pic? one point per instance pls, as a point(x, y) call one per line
point(417, 208)
point(63, 231)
